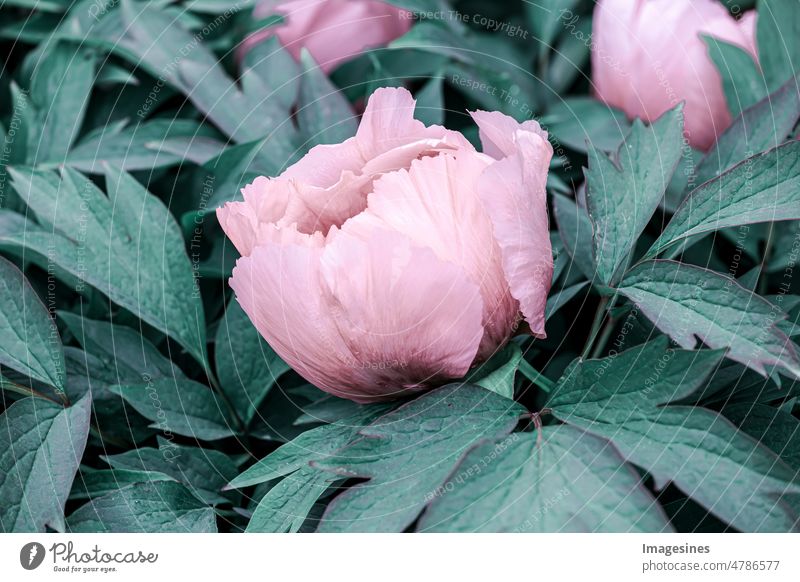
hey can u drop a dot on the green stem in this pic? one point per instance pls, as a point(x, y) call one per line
point(606, 304)
point(603, 339)
point(762, 276)
point(228, 404)
point(599, 315)
point(536, 377)
point(25, 391)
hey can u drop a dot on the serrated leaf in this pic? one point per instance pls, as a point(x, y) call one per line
point(408, 453)
point(763, 188)
point(180, 406)
point(286, 505)
point(246, 366)
point(727, 472)
point(621, 197)
point(127, 245)
point(562, 480)
point(41, 445)
point(323, 113)
point(741, 79)
point(777, 28)
point(158, 507)
point(690, 303)
point(29, 339)
point(203, 471)
point(760, 127)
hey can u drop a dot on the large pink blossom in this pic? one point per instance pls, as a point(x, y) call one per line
point(401, 257)
point(649, 55)
point(333, 31)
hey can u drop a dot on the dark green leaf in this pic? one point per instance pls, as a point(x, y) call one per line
point(204, 471)
point(286, 506)
point(498, 373)
point(563, 480)
point(621, 197)
point(310, 445)
point(29, 340)
point(575, 229)
point(125, 350)
point(763, 188)
point(180, 406)
point(727, 472)
point(547, 18)
point(157, 507)
point(127, 245)
point(323, 113)
point(576, 121)
point(246, 366)
point(741, 79)
point(92, 483)
point(690, 303)
point(41, 445)
point(775, 429)
point(60, 88)
point(760, 127)
point(409, 453)
point(142, 146)
point(430, 102)
point(558, 300)
point(777, 31)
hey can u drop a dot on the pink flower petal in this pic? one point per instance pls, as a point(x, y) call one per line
point(333, 31)
point(497, 132)
point(410, 319)
point(436, 204)
point(649, 55)
point(513, 193)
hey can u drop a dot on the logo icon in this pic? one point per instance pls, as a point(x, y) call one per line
point(31, 555)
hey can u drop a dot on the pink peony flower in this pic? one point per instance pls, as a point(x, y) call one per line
point(649, 55)
point(399, 258)
point(333, 31)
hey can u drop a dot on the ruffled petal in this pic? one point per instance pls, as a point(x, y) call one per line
point(265, 201)
point(410, 319)
point(513, 193)
point(497, 132)
point(278, 286)
point(436, 204)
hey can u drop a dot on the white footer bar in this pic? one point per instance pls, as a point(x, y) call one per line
point(406, 558)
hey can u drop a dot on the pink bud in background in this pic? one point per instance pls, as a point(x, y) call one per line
point(649, 55)
point(333, 31)
point(399, 258)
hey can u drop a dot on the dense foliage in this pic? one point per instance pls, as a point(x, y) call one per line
point(137, 395)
